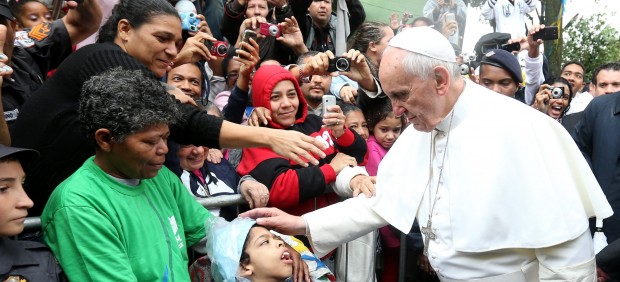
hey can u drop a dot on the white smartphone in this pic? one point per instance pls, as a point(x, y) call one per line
point(328, 101)
point(450, 17)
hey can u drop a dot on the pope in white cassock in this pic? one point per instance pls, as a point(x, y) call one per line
point(501, 191)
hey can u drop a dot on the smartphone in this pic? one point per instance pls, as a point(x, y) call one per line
point(450, 17)
point(547, 33)
point(247, 34)
point(328, 101)
point(516, 46)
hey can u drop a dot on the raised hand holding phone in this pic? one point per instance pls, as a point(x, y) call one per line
point(333, 118)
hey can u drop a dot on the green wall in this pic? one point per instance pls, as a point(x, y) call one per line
point(380, 10)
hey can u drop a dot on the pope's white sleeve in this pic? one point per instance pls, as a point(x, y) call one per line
point(330, 227)
point(342, 185)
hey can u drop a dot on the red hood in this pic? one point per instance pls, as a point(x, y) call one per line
point(265, 79)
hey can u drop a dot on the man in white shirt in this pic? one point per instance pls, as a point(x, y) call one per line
point(509, 15)
point(490, 207)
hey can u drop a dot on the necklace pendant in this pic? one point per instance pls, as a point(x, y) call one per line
point(428, 235)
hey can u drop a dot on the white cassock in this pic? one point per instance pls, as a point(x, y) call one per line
point(514, 198)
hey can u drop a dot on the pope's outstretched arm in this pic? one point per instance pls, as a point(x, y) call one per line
point(328, 227)
point(278, 220)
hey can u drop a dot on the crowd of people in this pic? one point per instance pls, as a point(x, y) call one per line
point(490, 170)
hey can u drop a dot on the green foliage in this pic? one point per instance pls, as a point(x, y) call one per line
point(591, 41)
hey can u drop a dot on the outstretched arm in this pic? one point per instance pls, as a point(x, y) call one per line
point(82, 20)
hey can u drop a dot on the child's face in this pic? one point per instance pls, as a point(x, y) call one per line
point(33, 13)
point(14, 202)
point(387, 131)
point(191, 157)
point(269, 257)
point(355, 121)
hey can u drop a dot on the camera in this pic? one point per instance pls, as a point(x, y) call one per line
point(464, 68)
point(217, 48)
point(189, 21)
point(339, 64)
point(467, 63)
point(557, 92)
point(268, 29)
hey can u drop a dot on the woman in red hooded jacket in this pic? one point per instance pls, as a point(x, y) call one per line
point(293, 188)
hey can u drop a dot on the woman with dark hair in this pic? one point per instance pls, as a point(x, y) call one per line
point(139, 35)
point(554, 97)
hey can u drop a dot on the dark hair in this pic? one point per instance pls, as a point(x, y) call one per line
point(583, 68)
point(137, 12)
point(125, 102)
point(379, 112)
point(367, 32)
point(613, 66)
point(245, 257)
point(18, 5)
point(347, 108)
point(426, 21)
point(9, 158)
point(562, 80)
point(302, 57)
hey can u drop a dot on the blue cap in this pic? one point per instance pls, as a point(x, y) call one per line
point(504, 60)
point(225, 245)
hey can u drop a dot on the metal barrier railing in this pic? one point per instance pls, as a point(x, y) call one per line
point(34, 223)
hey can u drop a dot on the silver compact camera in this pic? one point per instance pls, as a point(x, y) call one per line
point(557, 92)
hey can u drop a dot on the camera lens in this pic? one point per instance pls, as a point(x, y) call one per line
point(222, 49)
point(557, 93)
point(342, 64)
point(273, 30)
point(464, 69)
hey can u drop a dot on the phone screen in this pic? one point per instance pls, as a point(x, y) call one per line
point(247, 34)
point(328, 101)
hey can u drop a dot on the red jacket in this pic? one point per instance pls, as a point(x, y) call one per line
point(293, 188)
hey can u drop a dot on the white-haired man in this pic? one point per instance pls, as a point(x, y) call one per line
point(490, 207)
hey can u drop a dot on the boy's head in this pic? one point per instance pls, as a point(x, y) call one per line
point(500, 71)
point(265, 257)
point(14, 203)
point(240, 250)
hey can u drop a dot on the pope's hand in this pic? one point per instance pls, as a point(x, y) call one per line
point(276, 219)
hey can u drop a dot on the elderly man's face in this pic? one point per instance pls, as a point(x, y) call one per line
point(417, 99)
point(141, 155)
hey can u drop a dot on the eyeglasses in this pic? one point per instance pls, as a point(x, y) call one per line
point(232, 75)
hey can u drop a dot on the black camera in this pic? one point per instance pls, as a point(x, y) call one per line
point(217, 48)
point(339, 64)
point(557, 92)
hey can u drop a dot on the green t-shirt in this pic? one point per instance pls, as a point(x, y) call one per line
point(102, 230)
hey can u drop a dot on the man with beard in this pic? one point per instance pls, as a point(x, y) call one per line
point(317, 86)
